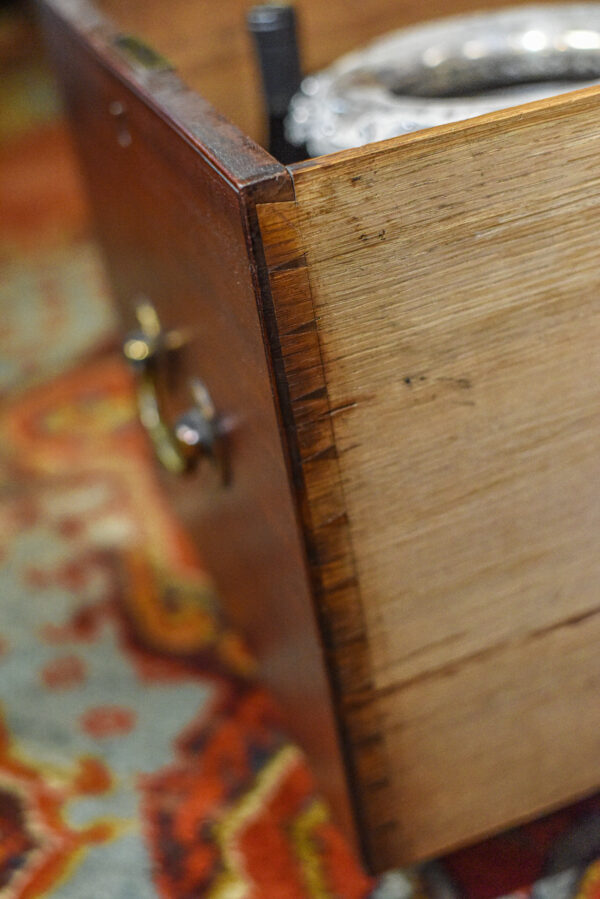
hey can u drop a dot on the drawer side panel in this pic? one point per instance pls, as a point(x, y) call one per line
point(456, 297)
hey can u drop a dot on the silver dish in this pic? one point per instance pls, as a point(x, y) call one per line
point(446, 71)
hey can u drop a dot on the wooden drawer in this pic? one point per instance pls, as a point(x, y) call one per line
point(402, 340)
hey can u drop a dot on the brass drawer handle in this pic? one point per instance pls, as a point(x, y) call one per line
point(197, 434)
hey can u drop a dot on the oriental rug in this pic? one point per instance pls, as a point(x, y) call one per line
point(139, 757)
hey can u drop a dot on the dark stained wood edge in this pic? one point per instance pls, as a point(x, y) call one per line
point(347, 807)
point(238, 159)
point(324, 518)
point(255, 177)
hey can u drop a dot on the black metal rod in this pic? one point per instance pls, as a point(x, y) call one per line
point(274, 30)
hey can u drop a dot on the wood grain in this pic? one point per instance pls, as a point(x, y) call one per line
point(208, 44)
point(323, 508)
point(454, 279)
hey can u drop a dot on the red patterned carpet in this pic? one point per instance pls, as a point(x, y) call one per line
point(138, 756)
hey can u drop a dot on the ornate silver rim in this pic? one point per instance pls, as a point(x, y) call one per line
point(446, 71)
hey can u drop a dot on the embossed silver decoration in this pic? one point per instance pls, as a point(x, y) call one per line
point(446, 71)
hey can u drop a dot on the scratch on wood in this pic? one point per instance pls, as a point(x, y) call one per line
point(337, 410)
point(342, 518)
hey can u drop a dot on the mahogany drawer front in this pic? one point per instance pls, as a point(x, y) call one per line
point(404, 340)
point(173, 205)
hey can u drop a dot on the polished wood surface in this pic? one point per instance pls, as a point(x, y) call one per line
point(454, 284)
point(208, 43)
point(173, 188)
